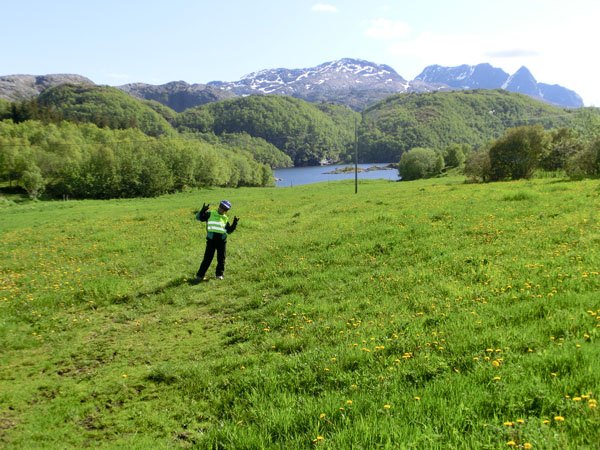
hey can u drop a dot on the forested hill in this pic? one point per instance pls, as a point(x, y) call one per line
point(438, 119)
point(308, 133)
point(234, 142)
point(104, 106)
point(279, 128)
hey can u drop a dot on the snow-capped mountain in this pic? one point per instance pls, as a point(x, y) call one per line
point(524, 82)
point(353, 82)
point(358, 83)
point(481, 76)
point(484, 76)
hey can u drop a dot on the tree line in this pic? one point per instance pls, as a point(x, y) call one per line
point(82, 160)
point(438, 119)
point(523, 150)
point(98, 142)
point(517, 154)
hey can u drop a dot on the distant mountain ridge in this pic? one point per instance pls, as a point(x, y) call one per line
point(177, 95)
point(353, 82)
point(24, 87)
point(485, 76)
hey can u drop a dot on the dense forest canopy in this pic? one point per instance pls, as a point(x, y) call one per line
point(106, 107)
point(97, 141)
point(435, 120)
point(82, 160)
point(307, 134)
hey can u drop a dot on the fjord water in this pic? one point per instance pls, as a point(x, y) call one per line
point(295, 176)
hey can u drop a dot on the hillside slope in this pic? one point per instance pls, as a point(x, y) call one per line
point(308, 134)
point(437, 119)
point(104, 106)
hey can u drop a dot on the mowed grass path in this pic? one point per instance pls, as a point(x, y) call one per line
point(427, 314)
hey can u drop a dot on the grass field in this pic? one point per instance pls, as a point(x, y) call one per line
point(425, 315)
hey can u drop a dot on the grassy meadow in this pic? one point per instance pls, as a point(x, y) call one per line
point(431, 314)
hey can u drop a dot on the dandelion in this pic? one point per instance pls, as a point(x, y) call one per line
point(520, 421)
point(417, 398)
point(511, 443)
point(124, 375)
point(559, 418)
point(349, 402)
point(496, 378)
point(546, 422)
point(387, 406)
point(527, 445)
point(322, 416)
point(508, 424)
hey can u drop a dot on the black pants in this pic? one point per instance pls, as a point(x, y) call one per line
point(219, 245)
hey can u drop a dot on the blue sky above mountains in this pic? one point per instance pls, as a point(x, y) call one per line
point(117, 42)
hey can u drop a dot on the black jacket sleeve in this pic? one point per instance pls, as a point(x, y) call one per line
point(202, 216)
point(230, 228)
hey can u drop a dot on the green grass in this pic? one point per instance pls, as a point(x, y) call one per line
point(427, 314)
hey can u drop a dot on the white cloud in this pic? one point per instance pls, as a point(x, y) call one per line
point(119, 76)
point(386, 29)
point(324, 7)
point(512, 53)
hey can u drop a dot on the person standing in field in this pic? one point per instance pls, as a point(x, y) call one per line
point(217, 229)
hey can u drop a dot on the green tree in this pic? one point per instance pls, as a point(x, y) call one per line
point(585, 162)
point(455, 156)
point(155, 177)
point(418, 163)
point(563, 145)
point(477, 165)
point(13, 158)
point(439, 163)
point(517, 153)
point(33, 181)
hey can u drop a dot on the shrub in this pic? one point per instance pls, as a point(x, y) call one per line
point(419, 163)
point(517, 153)
point(477, 165)
point(585, 162)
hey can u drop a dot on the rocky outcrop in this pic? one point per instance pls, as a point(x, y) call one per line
point(24, 87)
point(177, 95)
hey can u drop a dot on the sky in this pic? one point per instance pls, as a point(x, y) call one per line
point(198, 41)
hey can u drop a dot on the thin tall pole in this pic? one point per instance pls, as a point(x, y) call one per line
point(355, 156)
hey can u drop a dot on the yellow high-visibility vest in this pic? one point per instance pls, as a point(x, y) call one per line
point(216, 223)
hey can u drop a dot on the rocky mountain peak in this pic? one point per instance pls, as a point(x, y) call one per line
point(353, 82)
point(522, 81)
point(177, 95)
point(24, 87)
point(330, 81)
